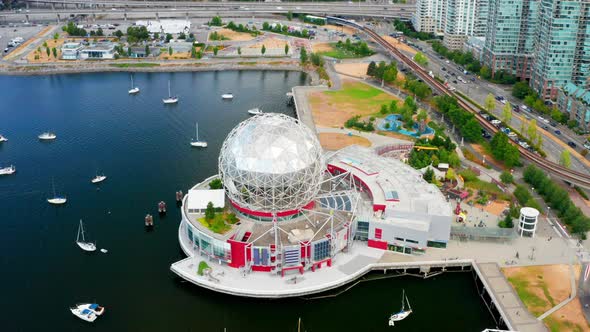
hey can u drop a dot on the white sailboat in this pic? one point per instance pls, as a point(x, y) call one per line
point(3, 139)
point(86, 246)
point(255, 111)
point(196, 142)
point(7, 170)
point(56, 200)
point(402, 314)
point(170, 99)
point(228, 95)
point(47, 136)
point(134, 89)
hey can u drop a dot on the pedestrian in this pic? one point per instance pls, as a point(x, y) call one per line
point(517, 255)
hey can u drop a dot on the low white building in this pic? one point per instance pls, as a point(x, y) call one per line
point(104, 51)
point(71, 51)
point(198, 199)
point(166, 26)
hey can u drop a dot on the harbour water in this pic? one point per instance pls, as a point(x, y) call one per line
point(143, 148)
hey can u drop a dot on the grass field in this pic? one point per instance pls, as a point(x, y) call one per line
point(340, 53)
point(333, 108)
point(135, 65)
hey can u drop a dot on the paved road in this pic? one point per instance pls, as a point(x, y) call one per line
point(478, 90)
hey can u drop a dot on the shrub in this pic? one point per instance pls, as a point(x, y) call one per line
point(202, 266)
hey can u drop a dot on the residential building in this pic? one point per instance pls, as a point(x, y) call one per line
point(562, 46)
point(98, 51)
point(140, 52)
point(430, 16)
point(464, 18)
point(575, 102)
point(475, 46)
point(510, 36)
point(70, 51)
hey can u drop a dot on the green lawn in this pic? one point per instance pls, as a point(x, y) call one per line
point(221, 223)
point(202, 266)
point(361, 96)
point(530, 300)
point(139, 64)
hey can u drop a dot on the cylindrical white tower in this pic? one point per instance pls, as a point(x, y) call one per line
point(527, 222)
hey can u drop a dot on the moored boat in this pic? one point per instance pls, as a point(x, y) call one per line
point(7, 170)
point(227, 96)
point(84, 314)
point(47, 136)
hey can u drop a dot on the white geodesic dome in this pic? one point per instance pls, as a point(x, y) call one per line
point(271, 163)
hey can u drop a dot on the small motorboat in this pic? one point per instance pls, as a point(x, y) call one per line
point(7, 170)
point(3, 139)
point(255, 111)
point(149, 220)
point(47, 136)
point(98, 179)
point(103, 250)
point(403, 313)
point(227, 96)
point(95, 308)
point(86, 246)
point(84, 314)
point(162, 207)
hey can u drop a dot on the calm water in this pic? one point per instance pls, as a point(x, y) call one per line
point(143, 148)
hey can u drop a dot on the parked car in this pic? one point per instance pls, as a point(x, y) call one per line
point(558, 132)
point(553, 124)
point(443, 69)
point(587, 145)
point(572, 144)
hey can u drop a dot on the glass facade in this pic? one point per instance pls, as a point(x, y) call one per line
point(362, 230)
point(218, 249)
point(321, 250)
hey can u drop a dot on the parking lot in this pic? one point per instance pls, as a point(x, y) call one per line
point(9, 32)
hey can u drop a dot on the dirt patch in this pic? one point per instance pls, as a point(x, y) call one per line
point(16, 52)
point(494, 207)
point(174, 56)
point(270, 43)
point(321, 47)
point(39, 55)
point(234, 35)
point(344, 29)
point(568, 318)
point(399, 45)
point(541, 287)
point(352, 69)
point(336, 141)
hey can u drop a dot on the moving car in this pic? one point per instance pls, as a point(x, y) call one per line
point(572, 144)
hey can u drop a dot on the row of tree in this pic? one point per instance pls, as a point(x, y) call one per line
point(284, 29)
point(420, 158)
point(409, 31)
point(559, 201)
point(242, 28)
point(464, 59)
point(523, 91)
point(469, 127)
point(503, 150)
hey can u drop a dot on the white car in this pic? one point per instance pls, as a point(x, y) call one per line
point(587, 146)
point(279, 7)
point(496, 122)
point(512, 134)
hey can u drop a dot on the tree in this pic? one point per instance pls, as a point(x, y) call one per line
point(169, 50)
point(286, 48)
point(210, 211)
point(216, 21)
point(265, 26)
point(56, 36)
point(371, 68)
point(289, 15)
point(450, 174)
point(193, 52)
point(48, 51)
point(168, 37)
point(490, 103)
point(428, 175)
point(303, 55)
point(506, 177)
point(390, 75)
point(532, 130)
point(118, 34)
point(147, 50)
point(485, 72)
point(216, 184)
point(521, 90)
point(565, 158)
point(421, 59)
point(54, 51)
point(263, 49)
point(540, 142)
point(215, 50)
point(239, 50)
point(507, 113)
point(471, 130)
point(99, 32)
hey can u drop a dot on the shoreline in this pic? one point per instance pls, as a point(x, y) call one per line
point(60, 69)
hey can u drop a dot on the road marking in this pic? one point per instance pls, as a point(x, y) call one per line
point(587, 272)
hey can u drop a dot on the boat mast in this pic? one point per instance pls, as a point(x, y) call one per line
point(131, 81)
point(169, 94)
point(403, 299)
point(81, 228)
point(197, 126)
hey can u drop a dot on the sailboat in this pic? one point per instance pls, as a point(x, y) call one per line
point(56, 200)
point(7, 170)
point(86, 246)
point(134, 89)
point(170, 99)
point(255, 111)
point(402, 314)
point(196, 142)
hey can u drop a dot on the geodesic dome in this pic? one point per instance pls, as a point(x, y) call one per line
point(271, 163)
